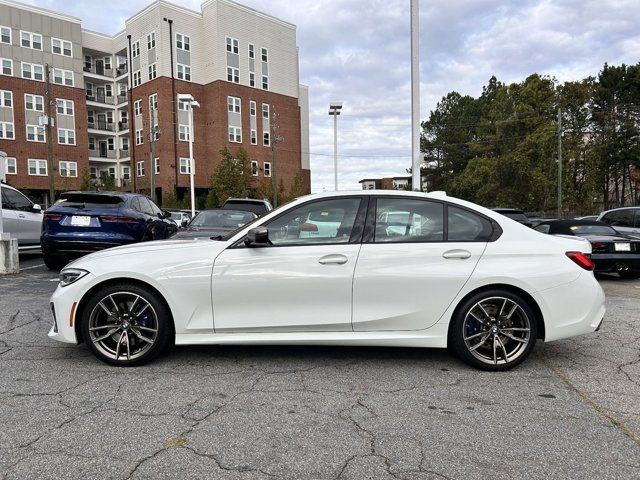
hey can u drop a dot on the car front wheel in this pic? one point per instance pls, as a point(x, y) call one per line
point(126, 325)
point(493, 330)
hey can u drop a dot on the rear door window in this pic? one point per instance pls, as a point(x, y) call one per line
point(466, 226)
point(408, 220)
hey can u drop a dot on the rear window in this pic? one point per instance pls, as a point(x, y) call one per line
point(257, 208)
point(89, 201)
point(592, 230)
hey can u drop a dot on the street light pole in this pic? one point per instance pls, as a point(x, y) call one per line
point(188, 98)
point(334, 110)
point(3, 167)
point(415, 97)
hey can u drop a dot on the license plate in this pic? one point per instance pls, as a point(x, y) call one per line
point(80, 221)
point(622, 247)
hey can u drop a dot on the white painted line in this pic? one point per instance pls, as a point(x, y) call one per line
point(35, 266)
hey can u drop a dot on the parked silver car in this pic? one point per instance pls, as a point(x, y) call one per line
point(21, 217)
point(624, 220)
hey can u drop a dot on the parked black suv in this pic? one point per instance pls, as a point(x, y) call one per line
point(259, 207)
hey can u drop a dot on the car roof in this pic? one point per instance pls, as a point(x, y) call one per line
point(636, 207)
point(569, 223)
point(507, 210)
point(224, 210)
point(246, 200)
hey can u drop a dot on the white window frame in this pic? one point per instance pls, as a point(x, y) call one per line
point(264, 54)
point(64, 76)
point(266, 166)
point(3, 99)
point(68, 136)
point(126, 173)
point(62, 47)
point(156, 165)
point(10, 42)
point(35, 101)
point(153, 71)
point(233, 74)
point(4, 129)
point(254, 168)
point(137, 78)
point(252, 79)
point(183, 106)
point(32, 71)
point(135, 49)
point(183, 42)
point(2, 66)
point(37, 165)
point(185, 74)
point(183, 133)
point(140, 168)
point(11, 164)
point(151, 40)
point(137, 107)
point(234, 104)
point(233, 46)
point(32, 37)
point(66, 166)
point(234, 134)
point(139, 137)
point(252, 51)
point(38, 132)
point(185, 166)
point(254, 136)
point(265, 82)
point(67, 106)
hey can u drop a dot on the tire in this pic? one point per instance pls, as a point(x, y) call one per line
point(126, 325)
point(629, 275)
point(54, 261)
point(494, 330)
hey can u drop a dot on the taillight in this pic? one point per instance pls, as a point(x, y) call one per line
point(597, 244)
point(582, 260)
point(115, 218)
point(52, 216)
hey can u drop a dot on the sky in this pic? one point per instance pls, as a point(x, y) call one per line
point(358, 52)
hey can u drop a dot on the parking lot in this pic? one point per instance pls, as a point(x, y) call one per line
point(571, 411)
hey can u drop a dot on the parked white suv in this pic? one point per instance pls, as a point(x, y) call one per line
point(21, 217)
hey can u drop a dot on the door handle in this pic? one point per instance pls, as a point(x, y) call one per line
point(457, 253)
point(333, 259)
point(21, 215)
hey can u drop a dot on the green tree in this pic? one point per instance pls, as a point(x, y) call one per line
point(232, 176)
point(86, 183)
point(297, 188)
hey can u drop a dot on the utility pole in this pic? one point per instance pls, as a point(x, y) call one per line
point(415, 97)
point(275, 139)
point(559, 163)
point(153, 131)
point(47, 92)
point(334, 110)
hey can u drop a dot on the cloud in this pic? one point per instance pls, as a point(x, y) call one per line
point(358, 52)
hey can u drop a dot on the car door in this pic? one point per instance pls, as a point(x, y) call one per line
point(19, 217)
point(299, 283)
point(416, 256)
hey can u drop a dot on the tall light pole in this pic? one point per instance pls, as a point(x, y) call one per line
point(334, 109)
point(3, 167)
point(415, 97)
point(188, 98)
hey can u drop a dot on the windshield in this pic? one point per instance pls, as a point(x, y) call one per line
point(592, 230)
point(176, 216)
point(221, 219)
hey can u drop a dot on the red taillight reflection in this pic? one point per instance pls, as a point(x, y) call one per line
point(582, 260)
point(309, 227)
point(115, 218)
point(52, 216)
point(597, 244)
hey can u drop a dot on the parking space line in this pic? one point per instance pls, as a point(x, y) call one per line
point(34, 266)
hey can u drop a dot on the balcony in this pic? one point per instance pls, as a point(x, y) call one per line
point(122, 126)
point(101, 98)
point(99, 69)
point(110, 154)
point(101, 125)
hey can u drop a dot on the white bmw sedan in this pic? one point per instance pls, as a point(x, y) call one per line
point(381, 268)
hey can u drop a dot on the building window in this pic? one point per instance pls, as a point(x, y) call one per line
point(92, 143)
point(126, 173)
point(68, 169)
point(5, 35)
point(235, 134)
point(183, 42)
point(111, 144)
point(182, 105)
point(7, 66)
point(61, 47)
point(151, 40)
point(137, 107)
point(6, 98)
point(153, 102)
point(66, 136)
point(35, 133)
point(137, 78)
point(6, 131)
point(265, 82)
point(265, 139)
point(152, 71)
point(88, 60)
point(125, 144)
point(232, 45)
point(156, 165)
point(63, 77)
point(64, 107)
point(31, 40)
point(34, 102)
point(252, 79)
point(183, 133)
point(185, 164)
point(139, 139)
point(252, 51)
point(135, 47)
point(265, 111)
point(252, 108)
point(254, 137)
point(37, 167)
point(233, 74)
point(265, 54)
point(254, 168)
point(140, 168)
point(11, 167)
point(233, 104)
point(184, 72)
point(267, 169)
point(32, 71)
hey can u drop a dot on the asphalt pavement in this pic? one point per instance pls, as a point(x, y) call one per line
point(571, 411)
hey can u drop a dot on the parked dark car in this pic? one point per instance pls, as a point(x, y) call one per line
point(612, 252)
point(83, 222)
point(514, 214)
point(259, 207)
point(215, 222)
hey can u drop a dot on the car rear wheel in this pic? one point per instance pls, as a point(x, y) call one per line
point(126, 325)
point(54, 261)
point(494, 330)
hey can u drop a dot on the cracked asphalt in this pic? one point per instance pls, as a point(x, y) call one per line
point(571, 411)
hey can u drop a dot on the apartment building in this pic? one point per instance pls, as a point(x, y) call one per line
point(239, 64)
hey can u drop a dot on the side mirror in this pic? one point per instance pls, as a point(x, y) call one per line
point(258, 237)
point(184, 222)
point(166, 214)
point(36, 208)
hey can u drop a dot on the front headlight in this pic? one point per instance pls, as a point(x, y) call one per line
point(71, 275)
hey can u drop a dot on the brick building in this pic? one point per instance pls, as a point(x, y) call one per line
point(239, 64)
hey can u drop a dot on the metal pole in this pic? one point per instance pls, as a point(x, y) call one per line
point(274, 192)
point(132, 122)
point(559, 163)
point(415, 96)
point(335, 151)
point(152, 151)
point(173, 105)
point(3, 168)
point(52, 192)
point(192, 169)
